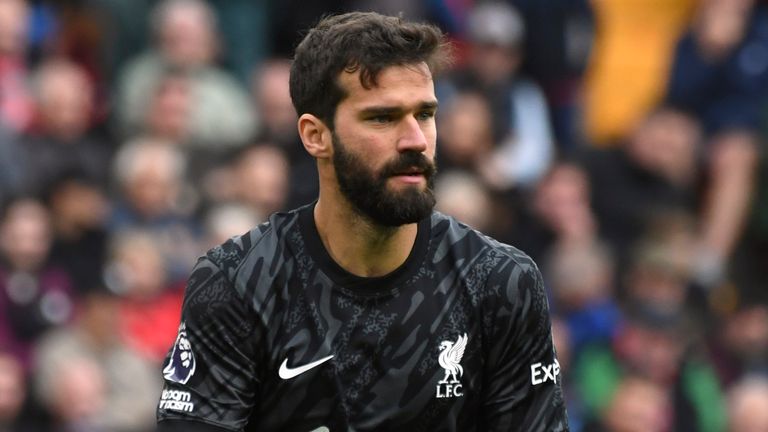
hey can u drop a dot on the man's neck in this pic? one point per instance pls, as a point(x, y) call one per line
point(357, 244)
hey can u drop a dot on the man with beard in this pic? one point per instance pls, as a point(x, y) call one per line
point(365, 310)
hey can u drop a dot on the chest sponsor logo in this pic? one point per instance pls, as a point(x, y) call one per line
point(180, 366)
point(450, 357)
point(541, 373)
point(287, 373)
point(175, 400)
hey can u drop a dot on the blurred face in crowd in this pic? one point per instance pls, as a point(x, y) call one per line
point(384, 145)
point(12, 390)
point(65, 99)
point(720, 25)
point(169, 111)
point(746, 333)
point(747, 402)
point(140, 265)
point(227, 220)
point(658, 282)
point(153, 184)
point(495, 63)
point(580, 275)
point(78, 393)
point(262, 177)
point(665, 143)
point(562, 201)
point(25, 235)
point(465, 129)
point(77, 205)
point(13, 26)
point(637, 406)
point(464, 197)
point(99, 316)
point(187, 36)
point(653, 353)
point(273, 98)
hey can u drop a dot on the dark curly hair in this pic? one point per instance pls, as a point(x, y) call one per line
point(364, 41)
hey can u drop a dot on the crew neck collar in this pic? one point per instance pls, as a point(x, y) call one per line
point(370, 286)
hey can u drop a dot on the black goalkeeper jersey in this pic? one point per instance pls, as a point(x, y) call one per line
point(276, 336)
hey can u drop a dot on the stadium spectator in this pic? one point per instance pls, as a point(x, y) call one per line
point(466, 133)
point(61, 140)
point(150, 303)
point(654, 344)
point(223, 221)
point(740, 344)
point(131, 383)
point(35, 295)
point(654, 171)
point(463, 196)
point(720, 73)
point(271, 96)
point(76, 396)
point(79, 209)
point(269, 88)
point(186, 39)
point(746, 405)
point(558, 212)
point(13, 394)
point(262, 178)
point(580, 281)
point(638, 405)
point(168, 116)
point(659, 271)
point(150, 178)
point(16, 102)
point(523, 146)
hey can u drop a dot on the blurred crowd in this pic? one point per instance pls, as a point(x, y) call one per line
point(618, 142)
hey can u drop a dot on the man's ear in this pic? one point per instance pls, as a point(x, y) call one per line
point(315, 136)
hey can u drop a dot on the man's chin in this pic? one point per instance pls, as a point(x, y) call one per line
point(408, 206)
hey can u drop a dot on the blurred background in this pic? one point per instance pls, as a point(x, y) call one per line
point(618, 142)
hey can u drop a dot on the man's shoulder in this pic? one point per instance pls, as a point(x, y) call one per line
point(492, 272)
point(264, 243)
point(469, 243)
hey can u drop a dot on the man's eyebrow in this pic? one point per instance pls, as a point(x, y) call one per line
point(383, 109)
point(379, 110)
point(428, 105)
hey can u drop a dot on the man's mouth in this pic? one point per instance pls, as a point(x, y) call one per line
point(410, 172)
point(413, 175)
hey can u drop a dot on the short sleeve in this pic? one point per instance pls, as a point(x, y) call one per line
point(523, 385)
point(210, 372)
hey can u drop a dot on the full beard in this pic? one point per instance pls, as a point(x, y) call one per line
point(368, 193)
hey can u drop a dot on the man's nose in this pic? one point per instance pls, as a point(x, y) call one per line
point(412, 136)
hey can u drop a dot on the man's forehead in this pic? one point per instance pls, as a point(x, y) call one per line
point(413, 81)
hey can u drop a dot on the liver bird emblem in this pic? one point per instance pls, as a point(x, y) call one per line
point(450, 357)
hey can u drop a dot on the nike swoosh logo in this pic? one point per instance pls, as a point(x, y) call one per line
point(287, 373)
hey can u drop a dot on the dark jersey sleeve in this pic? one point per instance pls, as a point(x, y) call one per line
point(523, 387)
point(210, 372)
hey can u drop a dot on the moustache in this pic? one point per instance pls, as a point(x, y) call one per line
point(410, 163)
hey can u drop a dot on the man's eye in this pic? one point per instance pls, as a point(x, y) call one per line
point(425, 115)
point(380, 119)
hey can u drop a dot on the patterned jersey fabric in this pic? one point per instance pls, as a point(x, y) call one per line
point(275, 336)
